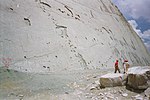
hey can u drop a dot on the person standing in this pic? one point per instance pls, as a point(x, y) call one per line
point(127, 65)
point(117, 67)
point(124, 67)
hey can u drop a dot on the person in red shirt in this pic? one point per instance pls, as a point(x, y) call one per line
point(117, 67)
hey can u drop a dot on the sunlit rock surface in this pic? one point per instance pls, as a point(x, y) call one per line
point(113, 79)
point(147, 93)
point(58, 35)
point(139, 77)
point(65, 45)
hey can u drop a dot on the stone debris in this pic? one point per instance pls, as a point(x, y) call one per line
point(100, 94)
point(147, 93)
point(75, 85)
point(110, 96)
point(124, 94)
point(97, 82)
point(137, 97)
point(120, 91)
point(20, 95)
point(93, 86)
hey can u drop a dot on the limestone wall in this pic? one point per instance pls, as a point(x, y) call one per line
point(57, 35)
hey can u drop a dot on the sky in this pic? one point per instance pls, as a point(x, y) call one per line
point(137, 13)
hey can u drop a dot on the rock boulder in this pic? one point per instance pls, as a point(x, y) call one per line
point(113, 79)
point(139, 77)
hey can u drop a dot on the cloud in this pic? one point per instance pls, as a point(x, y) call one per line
point(145, 36)
point(147, 33)
point(134, 8)
point(134, 25)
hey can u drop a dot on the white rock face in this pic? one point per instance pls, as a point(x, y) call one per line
point(138, 69)
point(139, 77)
point(57, 35)
point(113, 79)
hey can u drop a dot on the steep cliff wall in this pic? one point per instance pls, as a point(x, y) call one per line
point(57, 35)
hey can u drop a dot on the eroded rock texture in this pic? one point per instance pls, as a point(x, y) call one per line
point(139, 77)
point(58, 35)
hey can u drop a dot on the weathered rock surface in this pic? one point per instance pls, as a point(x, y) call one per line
point(147, 93)
point(94, 86)
point(139, 77)
point(113, 79)
point(61, 36)
point(58, 35)
point(138, 97)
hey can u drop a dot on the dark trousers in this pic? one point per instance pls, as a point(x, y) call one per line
point(117, 69)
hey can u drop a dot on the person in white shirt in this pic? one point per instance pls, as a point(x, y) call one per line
point(126, 66)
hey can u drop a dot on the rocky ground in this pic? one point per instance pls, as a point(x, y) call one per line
point(76, 85)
